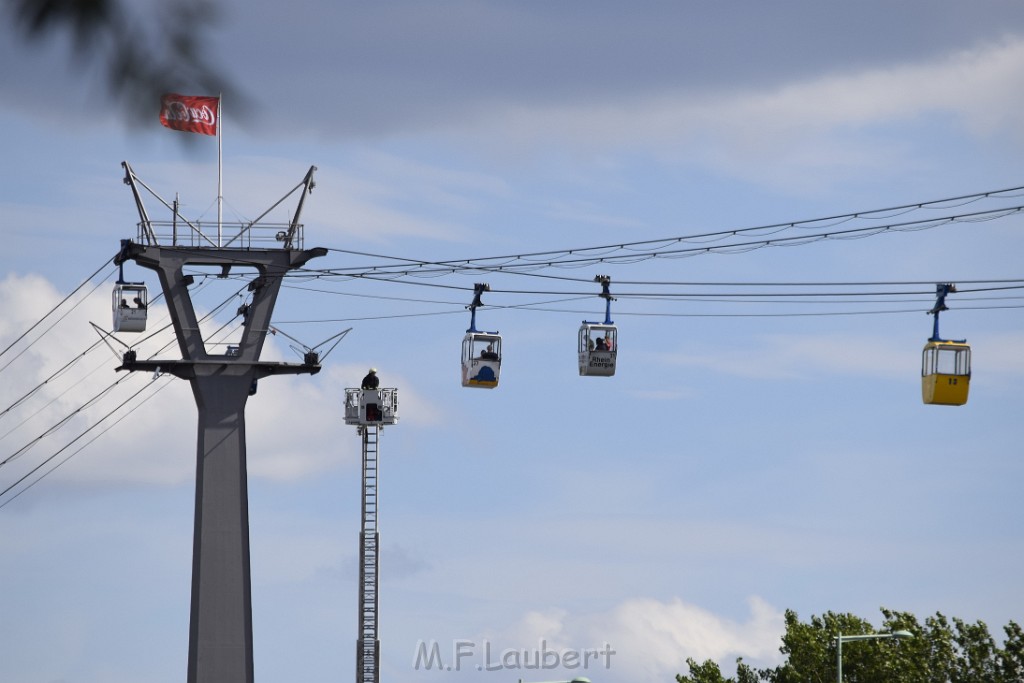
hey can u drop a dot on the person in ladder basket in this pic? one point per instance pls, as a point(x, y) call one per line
point(371, 381)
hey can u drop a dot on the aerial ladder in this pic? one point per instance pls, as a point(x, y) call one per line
point(369, 410)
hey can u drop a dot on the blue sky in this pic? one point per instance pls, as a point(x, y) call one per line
point(736, 466)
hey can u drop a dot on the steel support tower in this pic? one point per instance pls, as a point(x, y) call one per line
point(220, 625)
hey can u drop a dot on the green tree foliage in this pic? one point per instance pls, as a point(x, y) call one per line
point(1011, 660)
point(941, 651)
point(142, 57)
point(708, 672)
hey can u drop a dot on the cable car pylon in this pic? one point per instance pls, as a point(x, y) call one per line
point(220, 643)
point(369, 408)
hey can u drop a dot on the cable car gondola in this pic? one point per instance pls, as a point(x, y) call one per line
point(130, 304)
point(598, 343)
point(481, 351)
point(945, 363)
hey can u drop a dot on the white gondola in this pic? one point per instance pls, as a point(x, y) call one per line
point(598, 347)
point(130, 304)
point(481, 351)
point(481, 359)
point(598, 343)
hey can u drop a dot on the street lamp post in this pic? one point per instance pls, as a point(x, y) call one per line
point(840, 639)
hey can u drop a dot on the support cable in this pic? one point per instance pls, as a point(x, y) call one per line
point(1005, 285)
point(61, 370)
point(53, 400)
point(84, 282)
point(90, 428)
point(110, 387)
point(514, 263)
point(83, 446)
point(54, 427)
point(67, 445)
point(55, 375)
point(48, 314)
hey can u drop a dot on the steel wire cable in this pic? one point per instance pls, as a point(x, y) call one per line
point(534, 261)
point(80, 380)
point(1006, 284)
point(437, 268)
point(59, 304)
point(63, 448)
point(55, 322)
point(63, 369)
point(60, 423)
point(787, 298)
point(49, 379)
point(560, 258)
point(93, 371)
point(53, 400)
point(110, 387)
point(135, 406)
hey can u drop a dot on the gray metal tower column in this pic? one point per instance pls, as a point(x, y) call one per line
point(220, 628)
point(220, 624)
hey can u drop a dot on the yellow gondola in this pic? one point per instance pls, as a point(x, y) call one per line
point(945, 363)
point(945, 372)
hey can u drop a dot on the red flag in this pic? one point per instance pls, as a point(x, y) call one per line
point(188, 113)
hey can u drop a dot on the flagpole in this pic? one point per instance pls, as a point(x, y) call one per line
point(220, 168)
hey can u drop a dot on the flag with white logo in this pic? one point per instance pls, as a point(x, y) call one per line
point(190, 113)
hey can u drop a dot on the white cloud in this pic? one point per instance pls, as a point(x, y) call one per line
point(651, 640)
point(656, 638)
point(788, 134)
point(25, 298)
point(297, 427)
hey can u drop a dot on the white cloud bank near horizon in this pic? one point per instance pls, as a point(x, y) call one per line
point(637, 639)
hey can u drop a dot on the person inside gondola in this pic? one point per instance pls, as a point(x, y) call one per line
point(608, 342)
point(139, 304)
point(124, 303)
point(489, 353)
point(371, 381)
point(600, 345)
